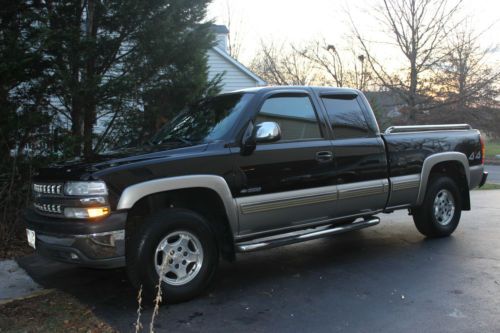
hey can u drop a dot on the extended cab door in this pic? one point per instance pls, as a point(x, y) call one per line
point(361, 165)
point(289, 182)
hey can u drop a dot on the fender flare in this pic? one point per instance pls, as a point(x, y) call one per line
point(135, 192)
point(434, 159)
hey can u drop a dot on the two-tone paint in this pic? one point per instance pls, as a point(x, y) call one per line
point(284, 186)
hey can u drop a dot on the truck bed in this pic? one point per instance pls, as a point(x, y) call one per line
point(408, 149)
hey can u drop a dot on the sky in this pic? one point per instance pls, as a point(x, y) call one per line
point(298, 21)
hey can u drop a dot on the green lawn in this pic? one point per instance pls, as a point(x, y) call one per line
point(489, 186)
point(492, 149)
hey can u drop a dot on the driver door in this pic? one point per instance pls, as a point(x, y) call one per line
point(290, 182)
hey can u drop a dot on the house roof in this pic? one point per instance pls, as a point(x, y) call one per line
point(220, 29)
point(240, 66)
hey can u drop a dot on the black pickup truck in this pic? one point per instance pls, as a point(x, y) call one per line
point(246, 171)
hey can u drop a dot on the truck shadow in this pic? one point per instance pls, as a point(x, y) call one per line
point(259, 275)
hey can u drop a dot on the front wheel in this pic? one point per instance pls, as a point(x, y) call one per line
point(179, 246)
point(440, 212)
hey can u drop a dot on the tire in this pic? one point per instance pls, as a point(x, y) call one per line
point(190, 248)
point(439, 214)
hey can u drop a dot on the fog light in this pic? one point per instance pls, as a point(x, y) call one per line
point(96, 212)
point(85, 213)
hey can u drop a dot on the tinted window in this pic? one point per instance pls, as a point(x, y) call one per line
point(208, 120)
point(294, 114)
point(346, 116)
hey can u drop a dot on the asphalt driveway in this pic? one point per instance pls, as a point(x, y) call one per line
point(382, 279)
point(494, 173)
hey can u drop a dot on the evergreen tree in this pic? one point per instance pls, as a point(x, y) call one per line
point(22, 84)
point(112, 58)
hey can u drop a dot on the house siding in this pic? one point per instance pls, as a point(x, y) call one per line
point(233, 78)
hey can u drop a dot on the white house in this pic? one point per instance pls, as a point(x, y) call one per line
point(236, 76)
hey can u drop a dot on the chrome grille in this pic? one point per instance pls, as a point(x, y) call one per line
point(54, 189)
point(43, 196)
point(49, 208)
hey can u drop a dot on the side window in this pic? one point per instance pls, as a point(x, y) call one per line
point(346, 116)
point(294, 114)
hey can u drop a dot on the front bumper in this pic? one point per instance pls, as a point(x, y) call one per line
point(99, 244)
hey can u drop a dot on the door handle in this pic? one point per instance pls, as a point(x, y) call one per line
point(324, 156)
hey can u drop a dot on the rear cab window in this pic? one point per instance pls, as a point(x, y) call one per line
point(346, 117)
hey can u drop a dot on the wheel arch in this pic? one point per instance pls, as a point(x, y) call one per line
point(455, 165)
point(208, 195)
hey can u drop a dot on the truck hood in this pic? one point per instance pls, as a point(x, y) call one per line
point(82, 169)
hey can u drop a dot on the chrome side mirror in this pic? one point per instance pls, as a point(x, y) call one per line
point(267, 131)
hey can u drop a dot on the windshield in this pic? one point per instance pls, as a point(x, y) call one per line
point(208, 120)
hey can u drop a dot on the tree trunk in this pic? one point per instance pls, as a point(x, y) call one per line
point(76, 125)
point(90, 85)
point(88, 129)
point(75, 90)
point(5, 142)
point(413, 92)
point(462, 77)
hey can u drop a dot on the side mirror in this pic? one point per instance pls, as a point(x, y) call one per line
point(267, 131)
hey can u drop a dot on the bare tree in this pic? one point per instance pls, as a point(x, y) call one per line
point(326, 57)
point(419, 29)
point(336, 69)
point(234, 37)
point(464, 77)
point(279, 65)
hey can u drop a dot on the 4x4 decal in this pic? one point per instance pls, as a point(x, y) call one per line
point(475, 156)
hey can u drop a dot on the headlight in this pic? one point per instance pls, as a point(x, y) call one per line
point(85, 188)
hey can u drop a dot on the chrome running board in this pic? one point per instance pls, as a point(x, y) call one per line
point(303, 235)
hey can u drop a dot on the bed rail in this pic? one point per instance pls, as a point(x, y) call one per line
point(423, 128)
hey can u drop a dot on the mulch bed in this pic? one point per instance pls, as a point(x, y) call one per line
point(52, 312)
point(17, 247)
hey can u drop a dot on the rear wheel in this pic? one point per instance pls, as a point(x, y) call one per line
point(177, 245)
point(441, 210)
